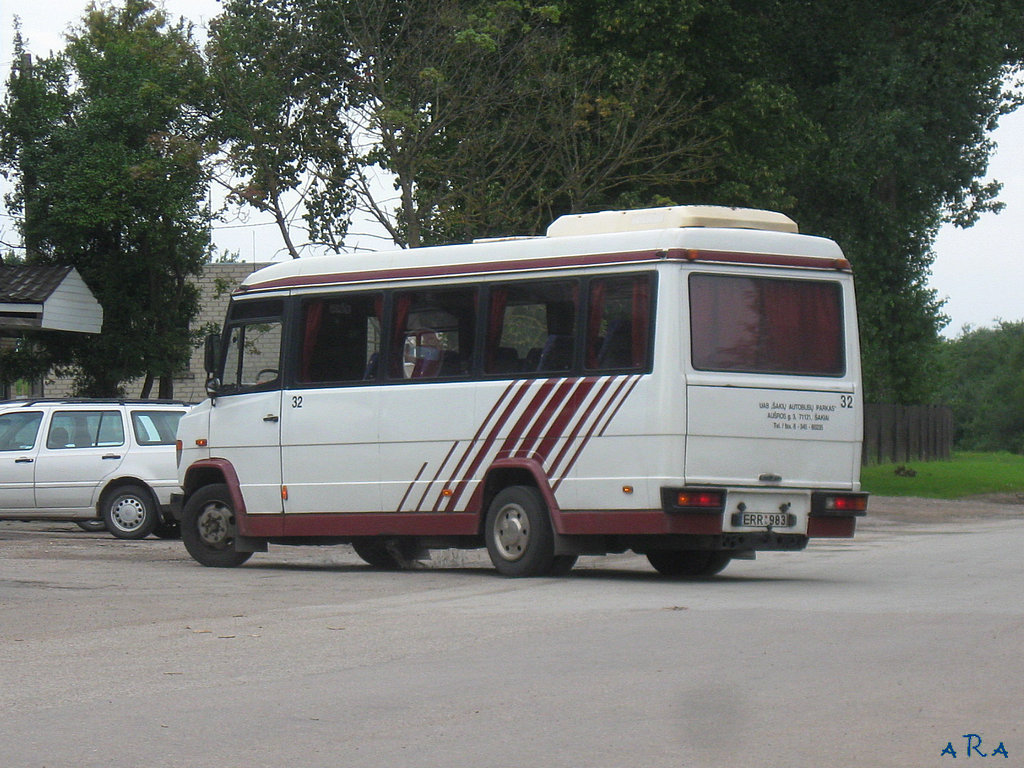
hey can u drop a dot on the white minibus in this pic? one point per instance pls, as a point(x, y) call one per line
point(681, 382)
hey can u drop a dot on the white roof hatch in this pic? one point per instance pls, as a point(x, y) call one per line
point(670, 217)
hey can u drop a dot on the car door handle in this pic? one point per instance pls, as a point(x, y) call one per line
point(111, 456)
point(24, 460)
point(270, 417)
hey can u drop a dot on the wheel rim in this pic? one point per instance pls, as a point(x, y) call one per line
point(216, 525)
point(128, 513)
point(511, 532)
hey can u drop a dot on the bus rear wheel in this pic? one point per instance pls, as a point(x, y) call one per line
point(519, 536)
point(691, 563)
point(208, 528)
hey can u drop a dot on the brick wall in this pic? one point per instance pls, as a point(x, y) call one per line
point(216, 283)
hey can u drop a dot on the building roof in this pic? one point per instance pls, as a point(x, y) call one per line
point(46, 297)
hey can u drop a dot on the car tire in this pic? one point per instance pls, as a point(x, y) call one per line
point(129, 511)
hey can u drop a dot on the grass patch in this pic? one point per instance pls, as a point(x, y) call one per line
point(966, 474)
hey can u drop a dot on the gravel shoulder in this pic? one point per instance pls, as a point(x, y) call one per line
point(913, 509)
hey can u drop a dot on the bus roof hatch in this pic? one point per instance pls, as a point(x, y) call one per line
point(669, 218)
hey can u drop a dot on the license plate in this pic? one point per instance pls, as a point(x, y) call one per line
point(766, 520)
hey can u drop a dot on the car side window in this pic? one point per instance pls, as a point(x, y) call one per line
point(155, 427)
point(85, 429)
point(18, 430)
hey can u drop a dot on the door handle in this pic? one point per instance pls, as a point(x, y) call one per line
point(24, 460)
point(270, 417)
point(111, 456)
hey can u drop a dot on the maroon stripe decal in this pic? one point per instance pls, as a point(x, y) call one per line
point(767, 259)
point(553, 409)
point(590, 434)
point(583, 417)
point(440, 468)
point(539, 399)
point(409, 489)
point(557, 428)
point(513, 436)
point(623, 400)
point(520, 391)
point(452, 270)
point(470, 446)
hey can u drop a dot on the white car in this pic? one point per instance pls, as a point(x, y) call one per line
point(99, 463)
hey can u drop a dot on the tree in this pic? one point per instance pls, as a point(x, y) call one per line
point(983, 381)
point(867, 122)
point(476, 110)
point(110, 180)
point(276, 115)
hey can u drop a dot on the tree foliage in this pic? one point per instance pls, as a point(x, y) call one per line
point(478, 112)
point(104, 141)
point(866, 122)
point(983, 381)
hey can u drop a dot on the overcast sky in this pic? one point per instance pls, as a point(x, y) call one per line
point(979, 271)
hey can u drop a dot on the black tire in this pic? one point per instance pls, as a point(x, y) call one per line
point(129, 511)
point(689, 563)
point(386, 554)
point(92, 526)
point(518, 533)
point(562, 565)
point(167, 530)
point(208, 528)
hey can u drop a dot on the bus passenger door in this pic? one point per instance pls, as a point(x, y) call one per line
point(329, 421)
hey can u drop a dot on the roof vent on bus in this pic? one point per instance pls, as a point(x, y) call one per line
point(669, 218)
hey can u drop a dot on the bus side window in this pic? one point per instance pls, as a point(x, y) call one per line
point(618, 323)
point(340, 339)
point(432, 334)
point(531, 327)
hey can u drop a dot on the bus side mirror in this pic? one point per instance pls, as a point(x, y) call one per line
point(211, 359)
point(211, 354)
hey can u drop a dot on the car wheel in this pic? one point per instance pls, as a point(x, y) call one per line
point(129, 512)
point(208, 528)
point(92, 526)
point(691, 563)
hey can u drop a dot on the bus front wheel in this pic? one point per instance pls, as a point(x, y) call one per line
point(519, 536)
point(691, 563)
point(208, 528)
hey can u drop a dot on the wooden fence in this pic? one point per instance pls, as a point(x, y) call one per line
point(901, 433)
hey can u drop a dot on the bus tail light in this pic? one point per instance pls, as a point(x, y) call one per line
point(839, 504)
point(709, 500)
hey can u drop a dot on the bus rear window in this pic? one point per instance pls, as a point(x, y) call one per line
point(766, 325)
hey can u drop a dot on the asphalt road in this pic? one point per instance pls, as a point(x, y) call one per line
point(881, 651)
